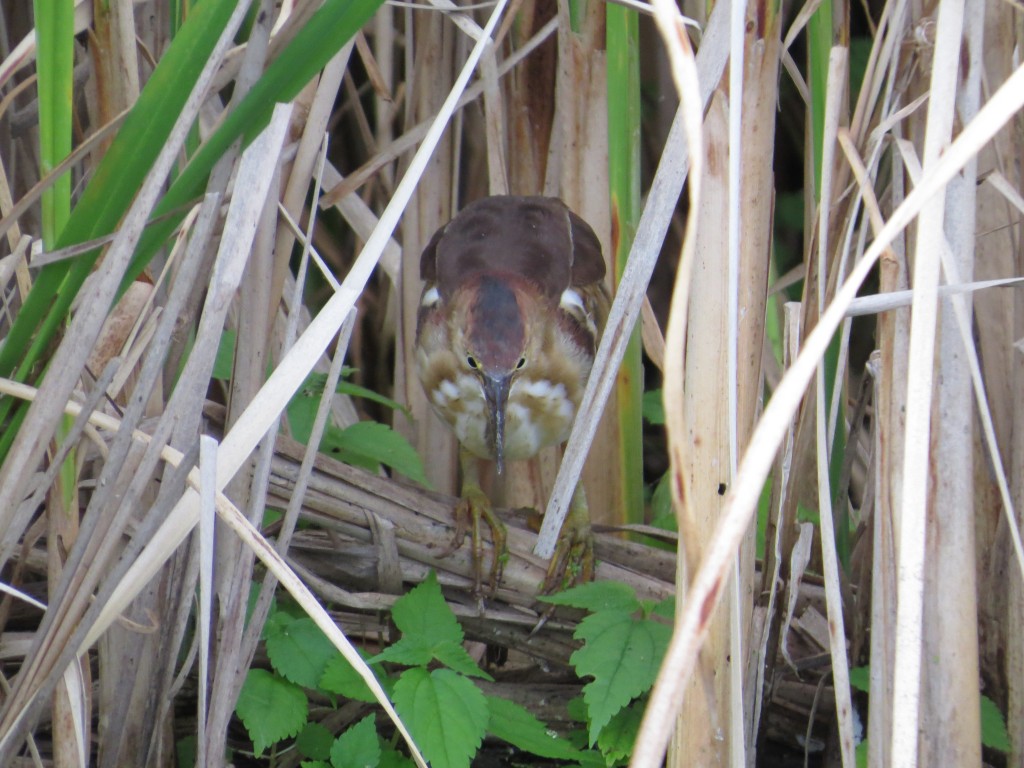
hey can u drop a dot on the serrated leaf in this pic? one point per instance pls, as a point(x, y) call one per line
point(516, 725)
point(423, 612)
point(314, 764)
point(358, 747)
point(597, 596)
point(429, 631)
point(446, 714)
point(341, 678)
point(993, 726)
point(392, 758)
point(370, 441)
point(271, 708)
point(299, 651)
point(617, 738)
point(622, 654)
point(314, 741)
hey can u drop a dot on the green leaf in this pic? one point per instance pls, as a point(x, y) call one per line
point(429, 631)
point(662, 513)
point(271, 708)
point(597, 596)
point(516, 725)
point(110, 191)
point(314, 764)
point(315, 741)
point(622, 654)
point(299, 650)
point(224, 363)
point(392, 758)
point(860, 678)
point(617, 738)
point(446, 714)
point(369, 443)
point(358, 747)
point(993, 727)
point(654, 407)
point(666, 609)
point(341, 678)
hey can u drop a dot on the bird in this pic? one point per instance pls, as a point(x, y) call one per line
point(510, 316)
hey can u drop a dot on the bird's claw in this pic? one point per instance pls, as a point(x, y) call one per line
point(573, 560)
point(473, 506)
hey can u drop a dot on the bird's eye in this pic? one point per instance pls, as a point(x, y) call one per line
point(521, 363)
point(472, 362)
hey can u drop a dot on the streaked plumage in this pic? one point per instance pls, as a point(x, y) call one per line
point(501, 260)
point(512, 307)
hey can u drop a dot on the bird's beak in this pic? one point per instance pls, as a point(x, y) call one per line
point(496, 387)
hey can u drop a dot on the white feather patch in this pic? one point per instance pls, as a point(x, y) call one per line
point(431, 296)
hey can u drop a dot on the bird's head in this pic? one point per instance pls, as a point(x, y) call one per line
point(494, 342)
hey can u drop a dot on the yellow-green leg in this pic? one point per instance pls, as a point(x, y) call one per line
point(573, 560)
point(473, 506)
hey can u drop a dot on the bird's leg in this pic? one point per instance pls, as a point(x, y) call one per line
point(473, 506)
point(573, 560)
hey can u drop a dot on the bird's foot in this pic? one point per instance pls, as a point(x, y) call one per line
point(472, 508)
point(573, 560)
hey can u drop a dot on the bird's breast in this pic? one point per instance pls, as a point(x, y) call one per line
point(539, 413)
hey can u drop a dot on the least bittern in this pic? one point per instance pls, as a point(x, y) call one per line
point(512, 309)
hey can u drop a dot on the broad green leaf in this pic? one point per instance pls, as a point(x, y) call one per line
point(993, 727)
point(392, 758)
point(299, 651)
point(429, 631)
point(446, 714)
point(666, 608)
point(271, 708)
point(617, 738)
point(314, 764)
point(358, 747)
point(423, 612)
point(622, 654)
point(314, 741)
point(341, 678)
point(516, 725)
point(597, 596)
point(374, 443)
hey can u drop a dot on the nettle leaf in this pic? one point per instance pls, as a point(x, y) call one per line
point(392, 758)
point(622, 654)
point(597, 596)
point(358, 747)
point(271, 708)
point(429, 630)
point(314, 764)
point(617, 738)
point(369, 443)
point(314, 741)
point(446, 714)
point(299, 651)
point(516, 725)
point(341, 678)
